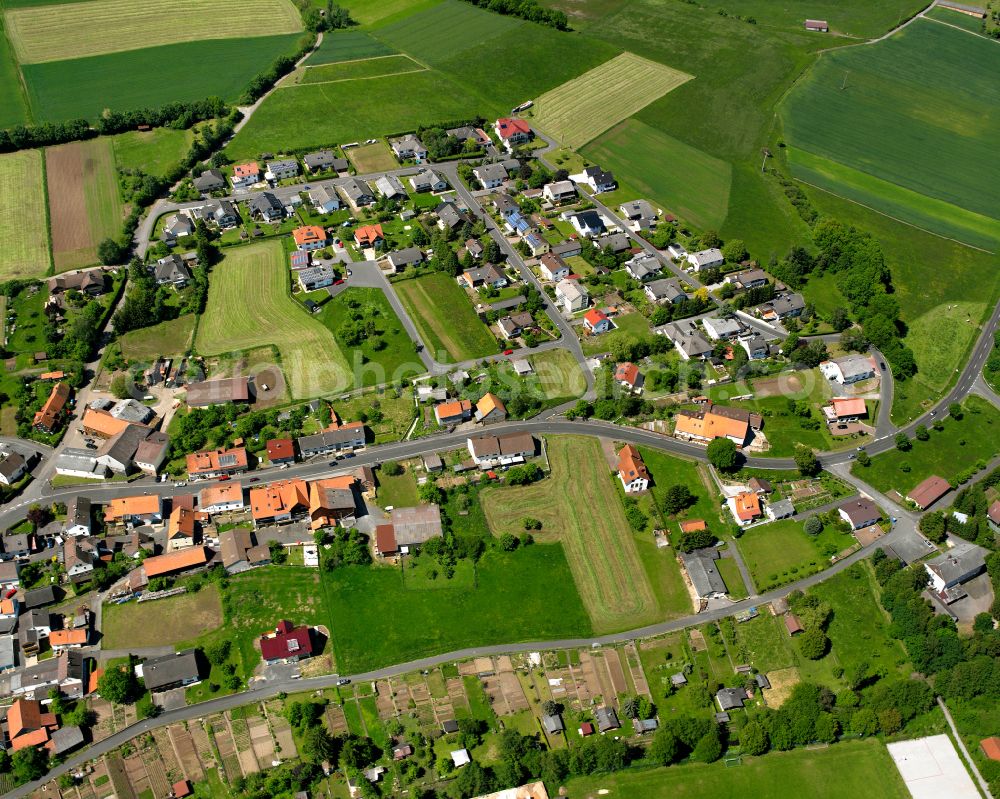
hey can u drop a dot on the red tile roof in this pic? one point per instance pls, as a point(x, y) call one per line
point(280, 448)
point(286, 641)
point(385, 539)
point(849, 407)
point(929, 491)
point(747, 506)
point(508, 128)
point(991, 747)
point(627, 373)
point(368, 234)
point(630, 465)
point(594, 316)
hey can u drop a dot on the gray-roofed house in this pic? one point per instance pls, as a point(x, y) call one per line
point(643, 267)
point(956, 566)
point(325, 199)
point(721, 328)
point(748, 278)
point(8, 647)
point(390, 187)
point(637, 210)
point(315, 277)
point(118, 452)
point(131, 410)
point(171, 271)
point(704, 575)
point(665, 290)
point(607, 719)
point(13, 467)
point(177, 227)
point(450, 217)
point(848, 369)
point(398, 260)
point(282, 169)
point(220, 212)
point(485, 275)
point(756, 347)
point(559, 191)
point(78, 516)
point(267, 207)
point(428, 180)
point(567, 249)
point(686, 338)
point(170, 671)
point(571, 295)
point(358, 193)
point(320, 160)
point(731, 698)
point(588, 223)
point(783, 307)
point(781, 509)
point(408, 148)
point(491, 176)
point(65, 739)
point(343, 438)
point(39, 597)
point(616, 242)
point(210, 180)
point(706, 259)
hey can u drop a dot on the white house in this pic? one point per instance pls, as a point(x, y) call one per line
point(849, 369)
point(553, 267)
point(632, 470)
point(721, 328)
point(282, 169)
point(559, 191)
point(596, 178)
point(706, 259)
point(409, 147)
point(571, 296)
point(325, 199)
point(428, 180)
point(588, 223)
point(78, 516)
point(491, 176)
point(643, 267)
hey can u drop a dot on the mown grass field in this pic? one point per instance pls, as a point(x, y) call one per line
point(84, 204)
point(163, 622)
point(780, 552)
point(24, 251)
point(959, 20)
point(155, 152)
point(527, 595)
point(853, 18)
point(394, 362)
point(445, 318)
point(249, 306)
point(369, 158)
point(167, 338)
point(582, 109)
point(152, 76)
point(578, 507)
point(353, 110)
point(98, 27)
point(556, 374)
point(347, 45)
point(680, 179)
point(382, 66)
point(920, 110)
point(856, 768)
point(947, 453)
point(13, 109)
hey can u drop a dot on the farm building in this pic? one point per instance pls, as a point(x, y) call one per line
point(818, 25)
point(928, 492)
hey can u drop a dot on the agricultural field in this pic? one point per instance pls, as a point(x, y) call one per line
point(949, 17)
point(385, 358)
point(347, 45)
point(163, 622)
point(600, 547)
point(582, 109)
point(868, 109)
point(23, 218)
point(97, 27)
point(249, 306)
point(678, 178)
point(852, 19)
point(155, 152)
point(84, 204)
point(351, 110)
point(782, 552)
point(856, 768)
point(14, 109)
point(153, 76)
point(169, 338)
point(445, 319)
point(963, 442)
point(380, 67)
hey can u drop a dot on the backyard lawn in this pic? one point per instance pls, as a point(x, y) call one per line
point(627, 324)
point(162, 621)
point(399, 491)
point(446, 320)
point(780, 552)
point(963, 442)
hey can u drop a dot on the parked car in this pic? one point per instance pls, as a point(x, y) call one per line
point(223, 478)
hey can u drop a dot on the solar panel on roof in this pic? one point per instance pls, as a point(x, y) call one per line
point(227, 460)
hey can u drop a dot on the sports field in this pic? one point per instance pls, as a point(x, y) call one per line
point(579, 507)
point(155, 152)
point(445, 318)
point(841, 771)
point(24, 243)
point(347, 46)
point(84, 204)
point(382, 66)
point(583, 108)
point(152, 76)
point(163, 622)
point(249, 306)
point(168, 338)
point(97, 27)
point(682, 180)
point(920, 110)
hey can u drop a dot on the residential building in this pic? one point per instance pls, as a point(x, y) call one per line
point(309, 238)
point(170, 671)
point(571, 295)
point(450, 217)
point(928, 492)
point(222, 213)
point(502, 450)
point(628, 376)
point(322, 160)
point(171, 271)
point(721, 328)
point(390, 187)
point(282, 169)
point(369, 236)
point(86, 281)
point(588, 223)
point(240, 550)
point(717, 421)
point(639, 213)
point(286, 644)
point(76, 462)
point(217, 462)
point(182, 528)
point(783, 307)
point(29, 724)
point(746, 507)
point(210, 180)
point(514, 325)
point(559, 191)
point(553, 267)
point(281, 450)
point(176, 227)
point(266, 207)
point(643, 267)
point(13, 467)
point(399, 260)
point(454, 412)
point(49, 417)
point(491, 176)
point(747, 279)
point(346, 437)
point(512, 132)
point(60, 640)
point(687, 340)
point(358, 193)
point(134, 510)
point(632, 470)
point(78, 516)
point(152, 452)
point(536, 243)
point(79, 558)
point(704, 574)
point(665, 290)
point(246, 175)
point(221, 498)
point(956, 566)
point(756, 347)
point(428, 180)
point(485, 275)
point(597, 179)
point(706, 259)
point(782, 509)
point(860, 512)
point(567, 249)
point(325, 199)
point(332, 501)
point(408, 148)
point(595, 322)
point(843, 409)
point(315, 277)
point(217, 392)
point(614, 242)
point(849, 369)
point(66, 671)
point(490, 408)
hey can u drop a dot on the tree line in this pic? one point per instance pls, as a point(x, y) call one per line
point(526, 9)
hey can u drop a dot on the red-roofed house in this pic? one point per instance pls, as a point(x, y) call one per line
point(309, 237)
point(632, 470)
point(512, 132)
point(842, 409)
point(369, 236)
point(929, 492)
point(993, 516)
point(596, 321)
point(287, 643)
point(281, 450)
point(628, 376)
point(746, 506)
point(453, 412)
point(246, 175)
